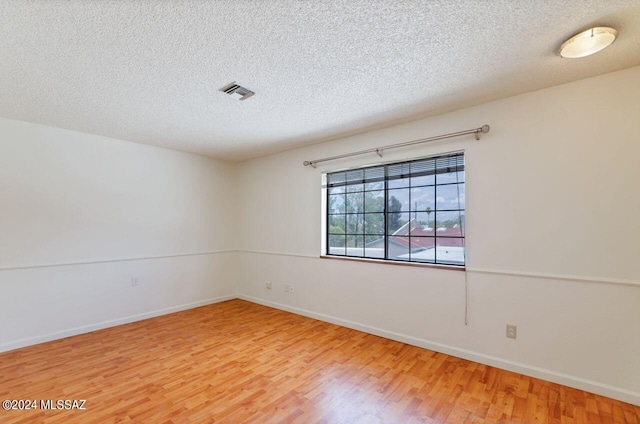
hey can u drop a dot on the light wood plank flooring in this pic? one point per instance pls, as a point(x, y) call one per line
point(237, 362)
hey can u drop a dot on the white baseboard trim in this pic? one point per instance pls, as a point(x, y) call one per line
point(16, 344)
point(531, 371)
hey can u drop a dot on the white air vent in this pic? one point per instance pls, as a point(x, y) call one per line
point(237, 91)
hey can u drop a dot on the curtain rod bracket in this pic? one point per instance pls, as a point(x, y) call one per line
point(482, 130)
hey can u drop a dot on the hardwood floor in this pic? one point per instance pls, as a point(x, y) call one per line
point(237, 362)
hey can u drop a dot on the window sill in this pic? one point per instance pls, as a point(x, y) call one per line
point(385, 262)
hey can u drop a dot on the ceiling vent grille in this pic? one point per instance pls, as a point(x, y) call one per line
point(237, 91)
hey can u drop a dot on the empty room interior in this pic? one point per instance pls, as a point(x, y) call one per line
point(289, 211)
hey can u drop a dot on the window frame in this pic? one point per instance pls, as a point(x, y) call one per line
point(387, 234)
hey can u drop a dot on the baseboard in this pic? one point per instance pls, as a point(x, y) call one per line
point(110, 323)
point(531, 371)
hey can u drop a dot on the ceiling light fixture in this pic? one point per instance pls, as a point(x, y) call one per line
point(588, 42)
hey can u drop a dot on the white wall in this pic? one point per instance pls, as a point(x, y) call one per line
point(81, 215)
point(552, 238)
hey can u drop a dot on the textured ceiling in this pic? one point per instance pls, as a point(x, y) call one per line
point(149, 71)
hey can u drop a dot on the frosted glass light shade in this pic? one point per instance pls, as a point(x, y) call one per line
point(588, 42)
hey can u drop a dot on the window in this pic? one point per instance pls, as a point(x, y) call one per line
point(409, 211)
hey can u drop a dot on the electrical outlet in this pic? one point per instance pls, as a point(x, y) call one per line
point(291, 288)
point(268, 285)
point(134, 281)
point(512, 331)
